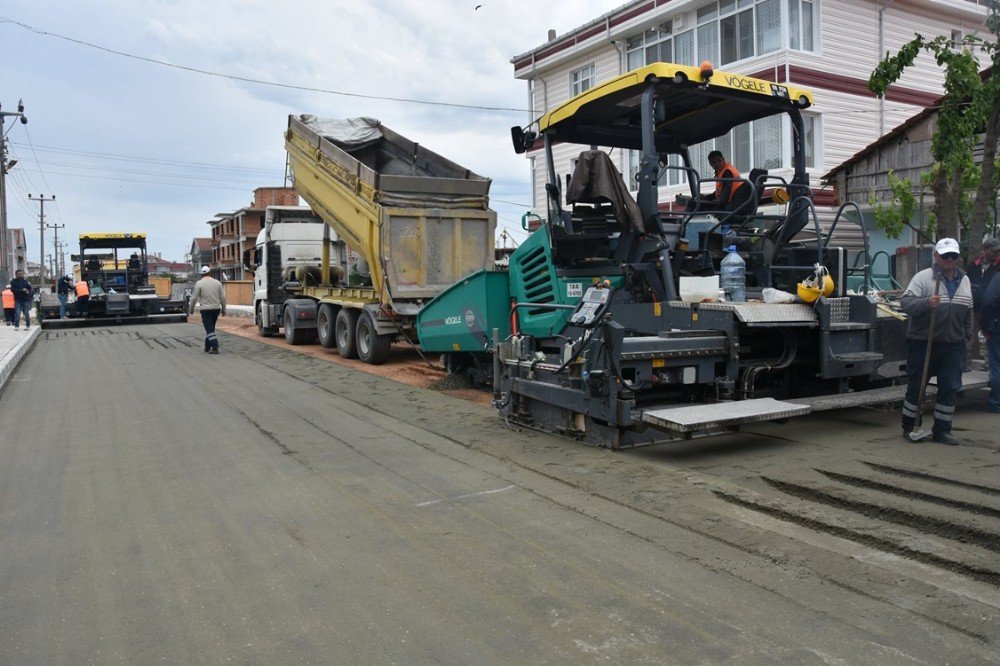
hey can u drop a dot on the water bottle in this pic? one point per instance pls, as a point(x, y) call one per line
point(728, 235)
point(734, 276)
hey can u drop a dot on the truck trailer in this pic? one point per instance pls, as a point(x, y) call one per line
point(413, 221)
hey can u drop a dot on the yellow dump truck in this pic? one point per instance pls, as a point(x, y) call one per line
point(413, 222)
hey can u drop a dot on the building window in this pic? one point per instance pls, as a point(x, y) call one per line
point(810, 126)
point(660, 44)
point(582, 79)
point(727, 31)
point(736, 30)
point(801, 25)
point(769, 32)
point(708, 33)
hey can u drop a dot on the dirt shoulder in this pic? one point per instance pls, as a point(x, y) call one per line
point(405, 364)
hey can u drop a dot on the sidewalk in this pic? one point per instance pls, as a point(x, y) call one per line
point(14, 345)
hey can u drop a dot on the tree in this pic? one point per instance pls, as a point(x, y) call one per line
point(971, 106)
point(896, 215)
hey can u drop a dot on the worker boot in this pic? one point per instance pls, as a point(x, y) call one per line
point(945, 438)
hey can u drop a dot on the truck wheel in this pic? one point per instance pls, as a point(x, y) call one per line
point(325, 322)
point(343, 330)
point(263, 330)
point(295, 336)
point(372, 347)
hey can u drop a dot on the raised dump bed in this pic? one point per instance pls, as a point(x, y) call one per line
point(417, 222)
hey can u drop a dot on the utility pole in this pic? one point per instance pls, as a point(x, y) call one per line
point(41, 234)
point(61, 253)
point(4, 167)
point(55, 245)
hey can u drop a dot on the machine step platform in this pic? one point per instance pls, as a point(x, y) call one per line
point(719, 416)
point(691, 418)
point(970, 380)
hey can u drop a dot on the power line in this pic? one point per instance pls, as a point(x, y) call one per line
point(22, 192)
point(245, 79)
point(136, 172)
point(510, 203)
point(150, 160)
point(27, 135)
point(149, 182)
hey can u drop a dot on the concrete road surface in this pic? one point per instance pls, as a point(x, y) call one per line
point(160, 505)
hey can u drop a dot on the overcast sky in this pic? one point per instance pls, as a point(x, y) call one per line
point(126, 144)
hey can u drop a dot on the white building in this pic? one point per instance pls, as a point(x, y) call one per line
point(827, 46)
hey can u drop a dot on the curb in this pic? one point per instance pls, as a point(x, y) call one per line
point(12, 357)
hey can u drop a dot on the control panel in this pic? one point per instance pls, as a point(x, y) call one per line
point(591, 306)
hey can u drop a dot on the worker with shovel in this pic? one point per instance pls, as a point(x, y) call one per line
point(939, 302)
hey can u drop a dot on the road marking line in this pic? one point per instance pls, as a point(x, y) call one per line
point(458, 497)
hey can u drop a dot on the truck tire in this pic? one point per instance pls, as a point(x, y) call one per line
point(372, 347)
point(326, 320)
point(347, 320)
point(264, 331)
point(296, 336)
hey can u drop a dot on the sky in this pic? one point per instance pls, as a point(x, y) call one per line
point(125, 143)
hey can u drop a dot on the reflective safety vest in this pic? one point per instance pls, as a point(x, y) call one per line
point(8, 299)
point(82, 289)
point(733, 185)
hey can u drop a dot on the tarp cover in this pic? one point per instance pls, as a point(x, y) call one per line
point(349, 133)
point(597, 179)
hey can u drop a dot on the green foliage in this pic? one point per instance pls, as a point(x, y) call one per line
point(964, 114)
point(892, 216)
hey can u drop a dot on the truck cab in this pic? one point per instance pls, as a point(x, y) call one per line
point(288, 255)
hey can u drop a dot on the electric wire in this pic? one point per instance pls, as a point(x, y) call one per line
point(148, 182)
point(58, 215)
point(150, 160)
point(245, 79)
point(137, 172)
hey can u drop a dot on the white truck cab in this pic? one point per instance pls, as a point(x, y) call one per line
point(289, 254)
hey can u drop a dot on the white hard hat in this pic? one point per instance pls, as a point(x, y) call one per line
point(946, 245)
point(205, 269)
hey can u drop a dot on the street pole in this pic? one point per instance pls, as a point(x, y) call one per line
point(55, 243)
point(4, 167)
point(41, 234)
point(61, 253)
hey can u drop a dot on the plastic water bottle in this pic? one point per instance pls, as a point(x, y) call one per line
point(734, 275)
point(728, 235)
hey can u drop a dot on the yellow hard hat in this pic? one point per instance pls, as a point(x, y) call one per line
point(828, 285)
point(807, 292)
point(810, 289)
point(780, 196)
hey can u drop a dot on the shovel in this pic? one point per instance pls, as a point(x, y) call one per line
point(918, 433)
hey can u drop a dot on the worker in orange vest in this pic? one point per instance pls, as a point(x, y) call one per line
point(82, 290)
point(724, 190)
point(8, 305)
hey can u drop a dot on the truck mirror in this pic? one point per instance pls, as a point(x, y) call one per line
point(517, 138)
point(522, 140)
